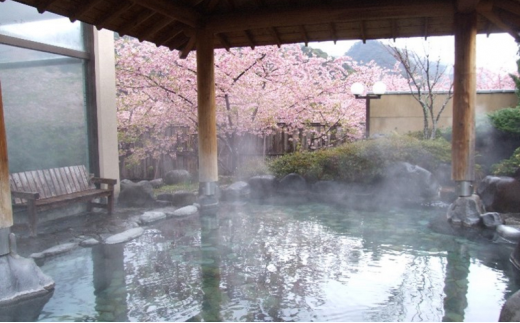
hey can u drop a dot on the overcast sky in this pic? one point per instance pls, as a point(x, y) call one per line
point(498, 51)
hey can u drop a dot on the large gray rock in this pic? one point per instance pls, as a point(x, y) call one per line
point(176, 176)
point(136, 194)
point(125, 182)
point(500, 194)
point(466, 211)
point(21, 278)
point(262, 186)
point(492, 220)
point(124, 236)
point(237, 191)
point(157, 183)
point(508, 233)
point(26, 310)
point(511, 309)
point(179, 198)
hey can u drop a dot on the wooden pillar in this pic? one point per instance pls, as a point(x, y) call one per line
point(464, 97)
point(208, 167)
point(6, 211)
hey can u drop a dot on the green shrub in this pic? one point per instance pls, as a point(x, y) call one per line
point(508, 166)
point(362, 161)
point(506, 120)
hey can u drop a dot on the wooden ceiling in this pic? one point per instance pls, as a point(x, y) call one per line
point(239, 23)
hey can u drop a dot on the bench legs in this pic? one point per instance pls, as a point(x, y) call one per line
point(33, 219)
point(110, 204)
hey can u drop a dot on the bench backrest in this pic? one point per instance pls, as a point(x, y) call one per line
point(51, 182)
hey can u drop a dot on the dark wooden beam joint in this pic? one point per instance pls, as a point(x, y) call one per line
point(82, 8)
point(466, 6)
point(174, 10)
point(113, 13)
point(250, 39)
point(304, 35)
point(43, 5)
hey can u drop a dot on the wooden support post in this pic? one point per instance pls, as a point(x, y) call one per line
point(6, 211)
point(208, 167)
point(464, 97)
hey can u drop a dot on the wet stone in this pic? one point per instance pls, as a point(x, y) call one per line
point(89, 242)
point(56, 250)
point(152, 216)
point(509, 233)
point(125, 236)
point(185, 211)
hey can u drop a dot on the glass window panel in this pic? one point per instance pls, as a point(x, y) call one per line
point(44, 109)
point(22, 21)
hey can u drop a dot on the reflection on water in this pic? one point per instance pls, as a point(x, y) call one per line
point(261, 262)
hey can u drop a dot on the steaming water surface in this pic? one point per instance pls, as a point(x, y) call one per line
point(307, 262)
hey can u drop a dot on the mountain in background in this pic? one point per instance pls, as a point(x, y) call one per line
point(372, 50)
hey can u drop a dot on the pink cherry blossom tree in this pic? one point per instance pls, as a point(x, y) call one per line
point(257, 91)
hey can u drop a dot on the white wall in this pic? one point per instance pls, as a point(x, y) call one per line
point(105, 78)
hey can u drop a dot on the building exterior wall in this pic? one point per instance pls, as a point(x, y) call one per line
point(401, 113)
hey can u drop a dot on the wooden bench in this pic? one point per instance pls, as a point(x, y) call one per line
point(42, 190)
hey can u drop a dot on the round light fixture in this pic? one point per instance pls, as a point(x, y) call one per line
point(357, 88)
point(379, 88)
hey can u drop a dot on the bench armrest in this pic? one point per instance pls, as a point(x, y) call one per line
point(110, 182)
point(25, 195)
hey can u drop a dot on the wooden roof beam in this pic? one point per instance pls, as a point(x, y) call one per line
point(159, 41)
point(260, 3)
point(394, 29)
point(276, 36)
point(177, 41)
point(425, 28)
point(134, 22)
point(174, 10)
point(507, 5)
point(508, 17)
point(304, 35)
point(362, 32)
point(466, 6)
point(250, 39)
point(325, 14)
point(113, 13)
point(333, 32)
point(224, 41)
point(155, 28)
point(42, 5)
point(83, 7)
point(212, 5)
point(185, 51)
point(491, 16)
point(231, 4)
